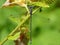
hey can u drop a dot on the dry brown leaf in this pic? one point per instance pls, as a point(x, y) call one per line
point(19, 2)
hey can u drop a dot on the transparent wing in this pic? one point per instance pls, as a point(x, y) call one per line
point(49, 1)
point(46, 1)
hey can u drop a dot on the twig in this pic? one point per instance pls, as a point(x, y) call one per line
point(28, 16)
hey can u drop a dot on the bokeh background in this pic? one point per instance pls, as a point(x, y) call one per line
point(45, 24)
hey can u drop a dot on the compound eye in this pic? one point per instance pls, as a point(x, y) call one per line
point(40, 9)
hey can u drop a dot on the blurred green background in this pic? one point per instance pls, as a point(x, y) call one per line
point(45, 24)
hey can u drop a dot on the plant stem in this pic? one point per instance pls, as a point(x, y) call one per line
point(28, 16)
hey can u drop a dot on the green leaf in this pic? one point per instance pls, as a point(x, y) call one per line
point(15, 37)
point(41, 4)
point(16, 20)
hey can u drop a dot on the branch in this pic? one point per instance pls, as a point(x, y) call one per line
point(26, 18)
